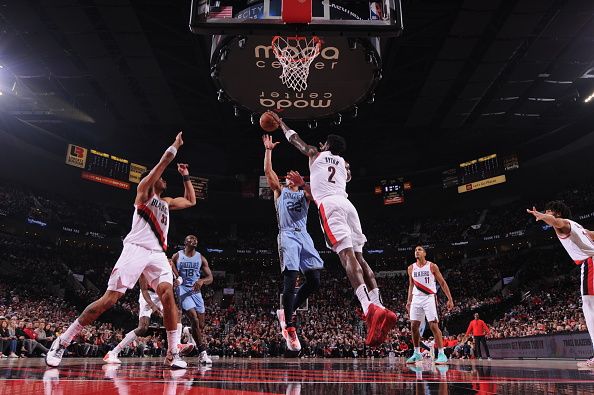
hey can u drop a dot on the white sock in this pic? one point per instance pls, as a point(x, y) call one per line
point(418, 350)
point(129, 338)
point(440, 350)
point(172, 341)
point(73, 330)
point(179, 332)
point(361, 293)
point(374, 296)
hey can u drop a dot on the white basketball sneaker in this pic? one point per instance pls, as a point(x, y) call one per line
point(55, 353)
point(204, 358)
point(111, 358)
point(174, 361)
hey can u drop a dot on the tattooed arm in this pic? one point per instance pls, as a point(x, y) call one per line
point(293, 138)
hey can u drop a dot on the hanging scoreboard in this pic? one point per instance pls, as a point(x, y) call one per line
point(479, 173)
point(104, 168)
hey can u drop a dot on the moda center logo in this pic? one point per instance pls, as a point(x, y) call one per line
point(328, 59)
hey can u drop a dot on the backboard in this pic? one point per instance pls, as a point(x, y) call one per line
point(353, 18)
point(245, 64)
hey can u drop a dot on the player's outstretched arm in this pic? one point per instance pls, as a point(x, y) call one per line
point(156, 172)
point(444, 285)
point(560, 224)
point(189, 199)
point(293, 138)
point(270, 174)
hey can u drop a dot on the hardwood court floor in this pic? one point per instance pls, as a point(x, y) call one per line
point(293, 376)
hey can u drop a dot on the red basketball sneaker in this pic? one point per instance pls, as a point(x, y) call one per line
point(374, 320)
point(387, 325)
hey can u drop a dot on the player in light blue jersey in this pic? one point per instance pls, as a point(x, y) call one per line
point(296, 249)
point(188, 265)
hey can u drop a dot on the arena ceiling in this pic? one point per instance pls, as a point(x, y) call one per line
point(466, 78)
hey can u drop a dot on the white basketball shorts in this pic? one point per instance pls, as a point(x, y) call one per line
point(341, 225)
point(133, 262)
point(423, 306)
point(144, 310)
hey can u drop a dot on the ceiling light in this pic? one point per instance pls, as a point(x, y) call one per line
point(1, 93)
point(589, 98)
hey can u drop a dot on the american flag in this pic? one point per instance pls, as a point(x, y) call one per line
point(222, 12)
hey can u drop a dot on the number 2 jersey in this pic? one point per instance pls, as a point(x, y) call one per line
point(189, 267)
point(150, 224)
point(328, 175)
point(423, 279)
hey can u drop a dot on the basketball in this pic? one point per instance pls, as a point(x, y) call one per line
point(268, 123)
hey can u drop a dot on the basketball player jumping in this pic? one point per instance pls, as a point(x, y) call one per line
point(422, 302)
point(295, 246)
point(329, 174)
point(143, 253)
point(579, 244)
point(149, 304)
point(187, 264)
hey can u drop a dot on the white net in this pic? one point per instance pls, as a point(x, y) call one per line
point(295, 54)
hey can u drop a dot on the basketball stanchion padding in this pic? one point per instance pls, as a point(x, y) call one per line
point(296, 11)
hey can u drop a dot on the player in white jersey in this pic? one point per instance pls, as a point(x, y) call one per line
point(329, 174)
point(143, 253)
point(422, 302)
point(578, 243)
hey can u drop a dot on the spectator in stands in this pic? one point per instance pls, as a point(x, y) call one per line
point(479, 330)
point(8, 342)
point(30, 343)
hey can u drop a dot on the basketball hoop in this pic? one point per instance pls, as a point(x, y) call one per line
point(295, 54)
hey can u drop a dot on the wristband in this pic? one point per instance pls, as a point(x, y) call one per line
point(186, 178)
point(289, 133)
point(179, 281)
point(172, 150)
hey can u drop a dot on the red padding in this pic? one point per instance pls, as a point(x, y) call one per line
point(296, 11)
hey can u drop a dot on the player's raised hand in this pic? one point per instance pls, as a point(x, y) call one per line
point(295, 178)
point(178, 141)
point(537, 214)
point(182, 168)
point(268, 144)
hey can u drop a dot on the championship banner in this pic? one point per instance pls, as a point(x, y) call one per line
point(76, 156)
point(105, 180)
point(481, 184)
point(135, 172)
